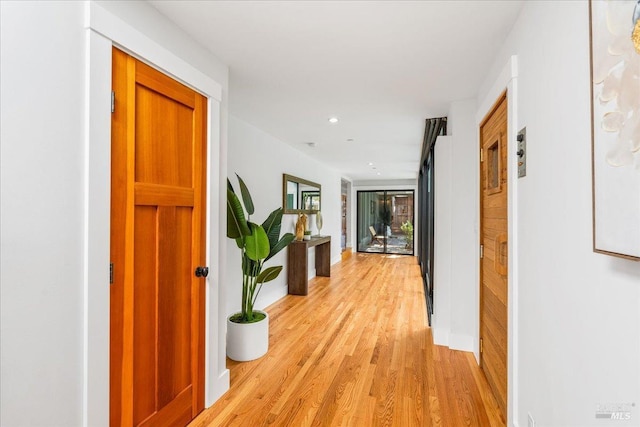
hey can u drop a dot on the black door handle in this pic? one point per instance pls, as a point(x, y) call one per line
point(202, 271)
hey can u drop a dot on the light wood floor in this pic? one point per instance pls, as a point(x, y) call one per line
point(356, 351)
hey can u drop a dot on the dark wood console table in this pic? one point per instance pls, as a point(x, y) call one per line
point(298, 263)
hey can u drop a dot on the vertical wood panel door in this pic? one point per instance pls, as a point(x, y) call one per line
point(493, 238)
point(158, 203)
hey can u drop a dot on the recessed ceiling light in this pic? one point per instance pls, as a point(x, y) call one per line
point(333, 120)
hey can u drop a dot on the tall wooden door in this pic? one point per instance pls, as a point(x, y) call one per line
point(157, 242)
point(493, 238)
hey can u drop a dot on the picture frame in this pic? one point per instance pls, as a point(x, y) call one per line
point(615, 126)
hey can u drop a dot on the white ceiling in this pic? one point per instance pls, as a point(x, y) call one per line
point(381, 67)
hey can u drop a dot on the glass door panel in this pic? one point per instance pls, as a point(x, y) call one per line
point(385, 222)
point(370, 224)
point(400, 240)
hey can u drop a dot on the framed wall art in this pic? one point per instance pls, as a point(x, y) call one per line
point(615, 126)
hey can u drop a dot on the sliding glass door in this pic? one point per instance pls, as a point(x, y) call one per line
point(426, 223)
point(385, 222)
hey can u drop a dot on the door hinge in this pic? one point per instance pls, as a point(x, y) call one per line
point(113, 102)
point(481, 154)
point(111, 273)
point(480, 345)
point(481, 251)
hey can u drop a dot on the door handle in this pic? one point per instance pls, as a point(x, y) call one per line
point(202, 271)
point(501, 254)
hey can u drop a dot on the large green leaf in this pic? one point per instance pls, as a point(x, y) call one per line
point(272, 226)
point(269, 274)
point(246, 196)
point(282, 243)
point(236, 222)
point(257, 243)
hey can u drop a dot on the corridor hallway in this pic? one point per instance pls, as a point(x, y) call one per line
point(356, 351)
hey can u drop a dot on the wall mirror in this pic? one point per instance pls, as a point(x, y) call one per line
point(300, 195)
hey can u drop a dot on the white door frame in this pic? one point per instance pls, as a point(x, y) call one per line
point(104, 30)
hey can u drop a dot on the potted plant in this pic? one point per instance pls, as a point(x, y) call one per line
point(248, 330)
point(407, 229)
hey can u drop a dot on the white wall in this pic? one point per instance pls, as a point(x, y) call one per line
point(147, 20)
point(455, 292)
point(464, 241)
point(42, 60)
point(442, 252)
point(43, 170)
point(261, 159)
point(578, 312)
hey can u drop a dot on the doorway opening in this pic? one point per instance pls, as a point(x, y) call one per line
point(386, 221)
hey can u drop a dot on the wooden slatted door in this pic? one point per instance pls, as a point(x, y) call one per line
point(157, 241)
point(493, 237)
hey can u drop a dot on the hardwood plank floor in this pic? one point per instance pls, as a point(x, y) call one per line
point(356, 351)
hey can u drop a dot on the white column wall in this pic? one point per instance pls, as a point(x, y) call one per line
point(442, 252)
point(42, 103)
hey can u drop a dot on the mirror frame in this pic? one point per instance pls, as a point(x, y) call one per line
point(285, 179)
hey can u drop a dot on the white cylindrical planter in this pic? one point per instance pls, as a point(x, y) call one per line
point(247, 341)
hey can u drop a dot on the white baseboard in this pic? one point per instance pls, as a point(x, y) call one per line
point(218, 387)
point(440, 336)
point(444, 337)
point(461, 342)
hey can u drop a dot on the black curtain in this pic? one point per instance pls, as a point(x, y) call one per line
point(433, 129)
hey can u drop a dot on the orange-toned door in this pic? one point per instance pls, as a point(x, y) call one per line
point(157, 241)
point(493, 237)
